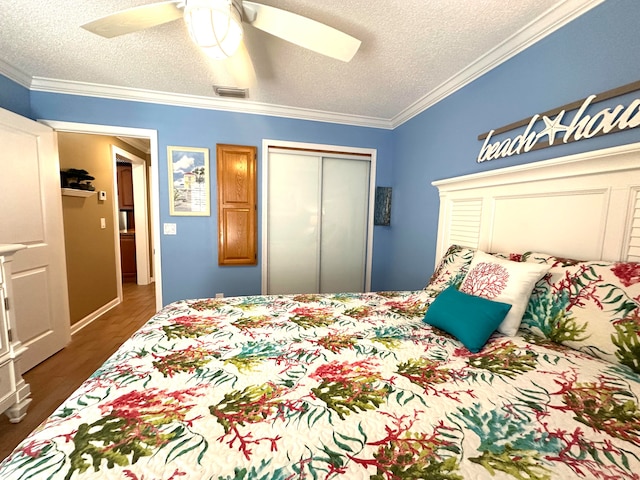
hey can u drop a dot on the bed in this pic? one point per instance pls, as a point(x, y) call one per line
point(433, 383)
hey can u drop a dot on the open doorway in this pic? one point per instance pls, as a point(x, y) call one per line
point(152, 249)
point(130, 206)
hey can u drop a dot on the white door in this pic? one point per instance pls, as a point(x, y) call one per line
point(293, 229)
point(317, 223)
point(343, 243)
point(31, 214)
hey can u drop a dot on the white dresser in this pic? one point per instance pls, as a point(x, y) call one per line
point(14, 392)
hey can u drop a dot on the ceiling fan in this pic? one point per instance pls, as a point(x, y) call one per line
point(216, 25)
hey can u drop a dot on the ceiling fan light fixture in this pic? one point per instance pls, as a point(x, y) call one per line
point(215, 26)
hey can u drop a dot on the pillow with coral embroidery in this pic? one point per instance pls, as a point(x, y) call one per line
point(591, 306)
point(504, 281)
point(451, 269)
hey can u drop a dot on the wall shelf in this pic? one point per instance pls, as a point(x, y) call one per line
point(74, 192)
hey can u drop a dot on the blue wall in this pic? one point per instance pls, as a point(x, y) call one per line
point(14, 97)
point(594, 53)
point(189, 259)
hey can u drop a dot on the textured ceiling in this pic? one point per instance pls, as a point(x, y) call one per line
point(409, 48)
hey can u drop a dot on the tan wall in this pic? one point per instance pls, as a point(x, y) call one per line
point(90, 250)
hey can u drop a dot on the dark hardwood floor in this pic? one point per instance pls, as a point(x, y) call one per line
point(59, 376)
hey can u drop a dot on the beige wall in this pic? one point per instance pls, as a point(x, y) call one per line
point(90, 250)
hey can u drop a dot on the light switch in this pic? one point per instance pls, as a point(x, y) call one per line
point(103, 223)
point(170, 228)
point(102, 195)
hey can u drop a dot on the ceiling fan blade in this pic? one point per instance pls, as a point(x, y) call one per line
point(240, 67)
point(134, 19)
point(302, 31)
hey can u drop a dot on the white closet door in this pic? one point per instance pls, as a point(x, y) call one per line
point(345, 202)
point(293, 223)
point(317, 223)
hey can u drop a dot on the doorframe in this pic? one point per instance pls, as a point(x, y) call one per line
point(324, 150)
point(152, 135)
point(140, 209)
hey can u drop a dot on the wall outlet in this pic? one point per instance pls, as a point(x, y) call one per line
point(219, 295)
point(170, 228)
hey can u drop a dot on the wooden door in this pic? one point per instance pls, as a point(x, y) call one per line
point(125, 186)
point(237, 207)
point(128, 257)
point(31, 214)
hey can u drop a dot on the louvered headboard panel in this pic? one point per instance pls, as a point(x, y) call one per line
point(583, 206)
point(465, 222)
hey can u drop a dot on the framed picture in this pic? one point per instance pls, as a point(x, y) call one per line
point(382, 210)
point(189, 181)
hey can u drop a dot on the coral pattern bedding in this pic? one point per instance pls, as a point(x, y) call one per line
point(337, 386)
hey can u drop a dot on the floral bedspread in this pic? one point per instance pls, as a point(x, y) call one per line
point(335, 386)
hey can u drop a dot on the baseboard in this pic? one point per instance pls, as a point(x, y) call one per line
point(80, 324)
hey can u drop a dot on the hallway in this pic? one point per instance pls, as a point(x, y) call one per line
point(56, 378)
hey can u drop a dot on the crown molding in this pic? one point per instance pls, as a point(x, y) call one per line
point(141, 144)
point(547, 23)
point(70, 87)
point(12, 73)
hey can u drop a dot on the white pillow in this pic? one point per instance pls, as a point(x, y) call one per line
point(504, 281)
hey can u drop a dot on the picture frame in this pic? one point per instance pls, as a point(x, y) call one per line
point(382, 210)
point(189, 191)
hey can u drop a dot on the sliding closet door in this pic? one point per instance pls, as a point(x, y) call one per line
point(345, 201)
point(293, 229)
point(317, 218)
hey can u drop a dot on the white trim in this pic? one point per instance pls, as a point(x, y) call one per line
point(264, 167)
point(69, 87)
point(116, 225)
point(153, 188)
point(536, 206)
point(547, 23)
point(152, 135)
point(269, 143)
point(12, 73)
point(140, 144)
point(80, 324)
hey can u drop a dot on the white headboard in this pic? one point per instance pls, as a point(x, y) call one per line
point(584, 206)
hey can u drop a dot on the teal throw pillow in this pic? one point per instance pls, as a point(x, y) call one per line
point(469, 318)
